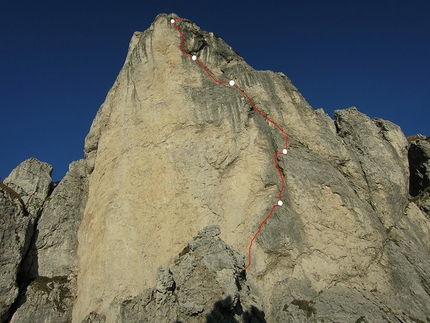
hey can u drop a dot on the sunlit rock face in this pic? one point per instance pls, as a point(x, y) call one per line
point(171, 151)
point(155, 224)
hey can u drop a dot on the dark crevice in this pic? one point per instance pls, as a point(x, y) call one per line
point(418, 162)
point(28, 268)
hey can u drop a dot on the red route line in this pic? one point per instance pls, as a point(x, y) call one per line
point(173, 20)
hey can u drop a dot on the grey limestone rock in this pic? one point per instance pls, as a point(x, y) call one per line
point(206, 284)
point(382, 182)
point(346, 246)
point(22, 195)
point(46, 300)
point(52, 260)
point(419, 160)
point(53, 252)
point(32, 181)
point(170, 152)
point(94, 318)
point(15, 228)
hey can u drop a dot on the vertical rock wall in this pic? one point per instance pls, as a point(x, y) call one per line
point(172, 153)
point(169, 149)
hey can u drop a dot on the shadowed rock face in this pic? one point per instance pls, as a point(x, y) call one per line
point(419, 159)
point(171, 152)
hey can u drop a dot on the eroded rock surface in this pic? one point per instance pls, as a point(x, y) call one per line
point(51, 263)
point(22, 195)
point(419, 159)
point(14, 226)
point(206, 284)
point(170, 152)
point(53, 252)
point(46, 299)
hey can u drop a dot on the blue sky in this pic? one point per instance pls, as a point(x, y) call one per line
point(58, 59)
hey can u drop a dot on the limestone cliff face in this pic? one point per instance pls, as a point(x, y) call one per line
point(172, 151)
point(154, 225)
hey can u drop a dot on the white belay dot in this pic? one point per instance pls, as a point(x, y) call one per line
point(284, 151)
point(172, 21)
point(231, 82)
point(280, 203)
point(194, 57)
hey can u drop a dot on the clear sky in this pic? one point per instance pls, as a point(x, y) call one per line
point(58, 59)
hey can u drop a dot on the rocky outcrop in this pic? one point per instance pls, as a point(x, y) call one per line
point(419, 160)
point(15, 224)
point(22, 195)
point(32, 181)
point(51, 263)
point(56, 237)
point(46, 299)
point(171, 152)
point(206, 284)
